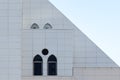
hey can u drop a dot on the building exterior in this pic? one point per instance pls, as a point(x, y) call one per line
point(37, 42)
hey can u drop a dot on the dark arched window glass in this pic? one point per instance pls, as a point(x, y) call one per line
point(34, 26)
point(52, 65)
point(47, 26)
point(37, 65)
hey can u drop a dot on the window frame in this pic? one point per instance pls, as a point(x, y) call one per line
point(51, 62)
point(39, 61)
point(34, 26)
point(47, 26)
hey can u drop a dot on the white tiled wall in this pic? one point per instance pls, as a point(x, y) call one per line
point(85, 74)
point(42, 12)
point(10, 39)
point(87, 54)
point(97, 73)
point(58, 42)
point(72, 50)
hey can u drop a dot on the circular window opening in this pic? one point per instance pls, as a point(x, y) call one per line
point(45, 51)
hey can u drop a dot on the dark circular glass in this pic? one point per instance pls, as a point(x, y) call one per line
point(45, 51)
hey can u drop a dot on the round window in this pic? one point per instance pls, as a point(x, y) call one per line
point(45, 51)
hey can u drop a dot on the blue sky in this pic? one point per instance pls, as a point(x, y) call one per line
point(98, 19)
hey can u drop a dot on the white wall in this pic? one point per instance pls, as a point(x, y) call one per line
point(96, 73)
point(10, 39)
point(42, 12)
point(64, 40)
point(58, 42)
point(85, 74)
point(87, 54)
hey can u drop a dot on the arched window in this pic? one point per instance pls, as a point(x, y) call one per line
point(38, 65)
point(34, 26)
point(52, 65)
point(47, 26)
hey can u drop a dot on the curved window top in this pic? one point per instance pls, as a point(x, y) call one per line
point(52, 58)
point(37, 58)
point(47, 26)
point(34, 26)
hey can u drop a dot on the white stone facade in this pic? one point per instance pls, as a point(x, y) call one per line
point(78, 58)
point(84, 74)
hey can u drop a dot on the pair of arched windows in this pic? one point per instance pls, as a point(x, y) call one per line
point(46, 26)
point(51, 65)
